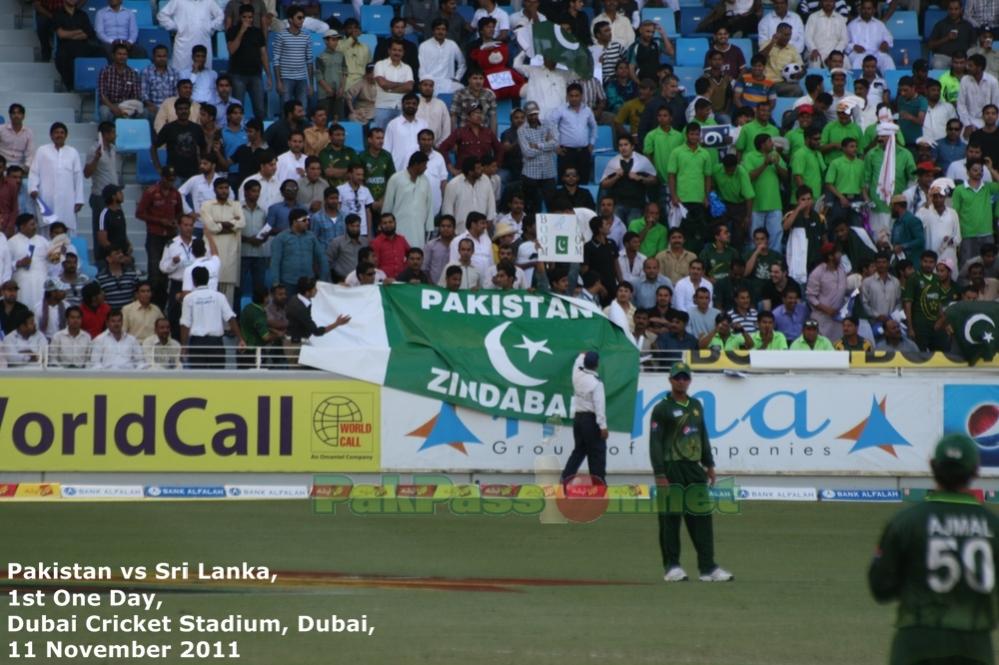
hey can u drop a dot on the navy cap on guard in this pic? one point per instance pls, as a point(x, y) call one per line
point(591, 359)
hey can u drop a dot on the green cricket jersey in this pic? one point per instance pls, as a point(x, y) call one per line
point(937, 559)
point(338, 159)
point(718, 262)
point(678, 434)
point(928, 297)
point(377, 171)
point(905, 172)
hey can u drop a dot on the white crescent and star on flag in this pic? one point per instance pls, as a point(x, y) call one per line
point(504, 366)
point(987, 337)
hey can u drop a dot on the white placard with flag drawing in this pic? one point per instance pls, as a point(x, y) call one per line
point(560, 239)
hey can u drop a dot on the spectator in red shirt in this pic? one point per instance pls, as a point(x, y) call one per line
point(160, 208)
point(472, 140)
point(9, 190)
point(389, 246)
point(95, 310)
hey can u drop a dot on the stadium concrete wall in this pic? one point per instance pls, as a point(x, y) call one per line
point(843, 425)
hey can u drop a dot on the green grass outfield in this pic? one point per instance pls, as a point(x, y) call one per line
point(799, 597)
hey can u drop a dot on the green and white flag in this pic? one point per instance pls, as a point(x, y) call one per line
point(974, 324)
point(551, 40)
point(508, 353)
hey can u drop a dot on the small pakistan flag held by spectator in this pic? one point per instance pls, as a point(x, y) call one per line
point(974, 325)
point(562, 245)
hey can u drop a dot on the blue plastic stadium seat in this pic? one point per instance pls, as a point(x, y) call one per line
point(220, 65)
point(376, 19)
point(892, 77)
point(599, 164)
point(85, 73)
point(369, 40)
point(594, 190)
point(318, 44)
point(339, 10)
point(504, 108)
point(82, 253)
point(605, 139)
point(746, 45)
point(783, 105)
point(145, 173)
point(904, 25)
point(932, 16)
point(914, 48)
point(690, 18)
point(500, 128)
point(143, 12)
point(663, 17)
point(687, 77)
point(354, 135)
point(466, 12)
point(691, 3)
point(446, 97)
point(138, 64)
point(690, 52)
point(150, 38)
point(133, 135)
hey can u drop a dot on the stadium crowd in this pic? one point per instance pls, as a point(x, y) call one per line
point(789, 197)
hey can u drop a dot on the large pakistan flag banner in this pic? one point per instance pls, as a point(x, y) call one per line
point(506, 353)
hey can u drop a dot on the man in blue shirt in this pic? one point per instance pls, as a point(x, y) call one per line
point(327, 222)
point(278, 213)
point(951, 148)
point(577, 134)
point(295, 252)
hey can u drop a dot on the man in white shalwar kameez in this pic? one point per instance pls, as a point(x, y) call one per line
point(194, 21)
point(56, 177)
point(27, 252)
point(223, 220)
point(408, 196)
point(941, 225)
point(867, 34)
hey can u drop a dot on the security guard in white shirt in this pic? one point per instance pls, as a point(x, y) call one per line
point(203, 315)
point(589, 425)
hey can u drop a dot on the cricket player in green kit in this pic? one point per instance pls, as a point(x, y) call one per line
point(681, 455)
point(936, 559)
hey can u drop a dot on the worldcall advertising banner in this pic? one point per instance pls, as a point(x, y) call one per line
point(165, 424)
point(761, 424)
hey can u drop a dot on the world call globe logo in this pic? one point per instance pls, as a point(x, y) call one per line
point(328, 416)
point(983, 426)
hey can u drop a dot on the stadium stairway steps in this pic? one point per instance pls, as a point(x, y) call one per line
point(36, 85)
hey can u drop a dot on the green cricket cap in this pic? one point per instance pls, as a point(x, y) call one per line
point(679, 368)
point(957, 449)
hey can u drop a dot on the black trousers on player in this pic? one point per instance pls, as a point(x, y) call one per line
point(691, 477)
point(589, 445)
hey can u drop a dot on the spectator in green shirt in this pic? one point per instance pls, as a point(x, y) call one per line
point(256, 333)
point(759, 125)
point(835, 133)
point(766, 170)
point(764, 339)
point(905, 172)
point(734, 188)
point(950, 82)
point(796, 137)
point(972, 202)
point(758, 262)
point(844, 181)
point(336, 157)
point(717, 256)
point(689, 170)
point(659, 143)
point(651, 230)
point(810, 339)
point(808, 167)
